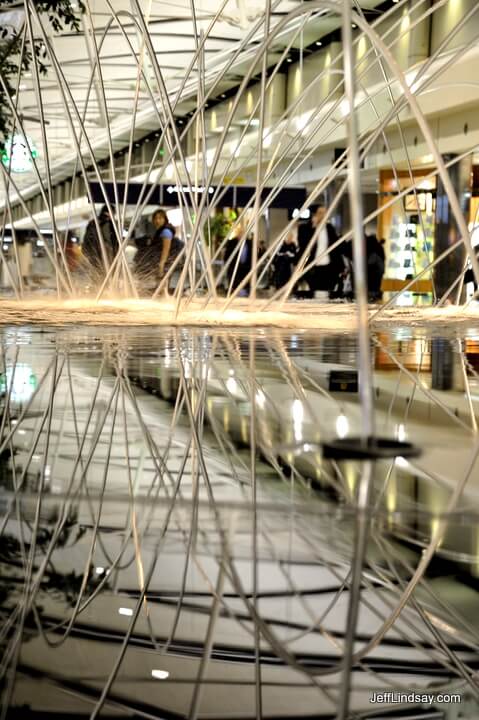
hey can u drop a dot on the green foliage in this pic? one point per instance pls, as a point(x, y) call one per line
point(61, 16)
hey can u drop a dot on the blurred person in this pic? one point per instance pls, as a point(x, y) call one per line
point(375, 267)
point(72, 252)
point(239, 261)
point(92, 251)
point(156, 252)
point(325, 275)
point(284, 261)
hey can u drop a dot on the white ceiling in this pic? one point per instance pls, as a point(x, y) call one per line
point(108, 107)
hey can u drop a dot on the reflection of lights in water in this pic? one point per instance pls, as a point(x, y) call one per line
point(160, 674)
point(260, 398)
point(24, 382)
point(125, 611)
point(297, 412)
point(437, 531)
point(187, 368)
point(391, 496)
point(401, 432)
point(48, 471)
point(342, 426)
point(231, 373)
point(244, 429)
point(231, 385)
point(350, 476)
point(440, 623)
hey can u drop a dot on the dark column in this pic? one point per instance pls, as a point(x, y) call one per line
point(447, 232)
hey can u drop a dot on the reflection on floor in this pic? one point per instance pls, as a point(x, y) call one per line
point(174, 544)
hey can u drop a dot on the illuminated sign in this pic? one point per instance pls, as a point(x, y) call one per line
point(16, 155)
point(20, 381)
point(194, 189)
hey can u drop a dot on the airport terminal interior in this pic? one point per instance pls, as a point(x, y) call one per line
point(239, 359)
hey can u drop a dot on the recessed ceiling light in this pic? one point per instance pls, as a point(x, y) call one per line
point(125, 611)
point(160, 674)
point(289, 59)
point(318, 43)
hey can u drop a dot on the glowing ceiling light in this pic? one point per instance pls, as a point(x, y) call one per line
point(302, 121)
point(342, 426)
point(260, 398)
point(125, 611)
point(267, 138)
point(344, 107)
point(160, 674)
point(410, 78)
point(231, 385)
point(297, 412)
point(210, 154)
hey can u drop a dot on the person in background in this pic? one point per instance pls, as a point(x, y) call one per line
point(328, 268)
point(72, 251)
point(375, 267)
point(238, 267)
point(157, 252)
point(284, 261)
point(94, 256)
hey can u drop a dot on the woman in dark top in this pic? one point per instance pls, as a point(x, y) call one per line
point(155, 255)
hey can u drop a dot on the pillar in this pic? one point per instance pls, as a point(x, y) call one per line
point(446, 230)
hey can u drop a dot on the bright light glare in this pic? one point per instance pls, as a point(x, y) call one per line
point(344, 107)
point(297, 411)
point(231, 385)
point(260, 398)
point(125, 611)
point(401, 433)
point(160, 674)
point(267, 138)
point(298, 414)
point(342, 426)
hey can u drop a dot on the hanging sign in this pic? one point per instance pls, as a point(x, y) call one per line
point(16, 155)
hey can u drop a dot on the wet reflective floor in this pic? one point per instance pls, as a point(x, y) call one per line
point(177, 541)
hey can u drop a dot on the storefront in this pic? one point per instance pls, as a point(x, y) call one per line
point(407, 226)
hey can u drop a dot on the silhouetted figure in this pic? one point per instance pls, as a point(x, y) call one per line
point(375, 267)
point(98, 258)
point(284, 261)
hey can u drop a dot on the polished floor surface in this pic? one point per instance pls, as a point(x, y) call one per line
point(177, 542)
